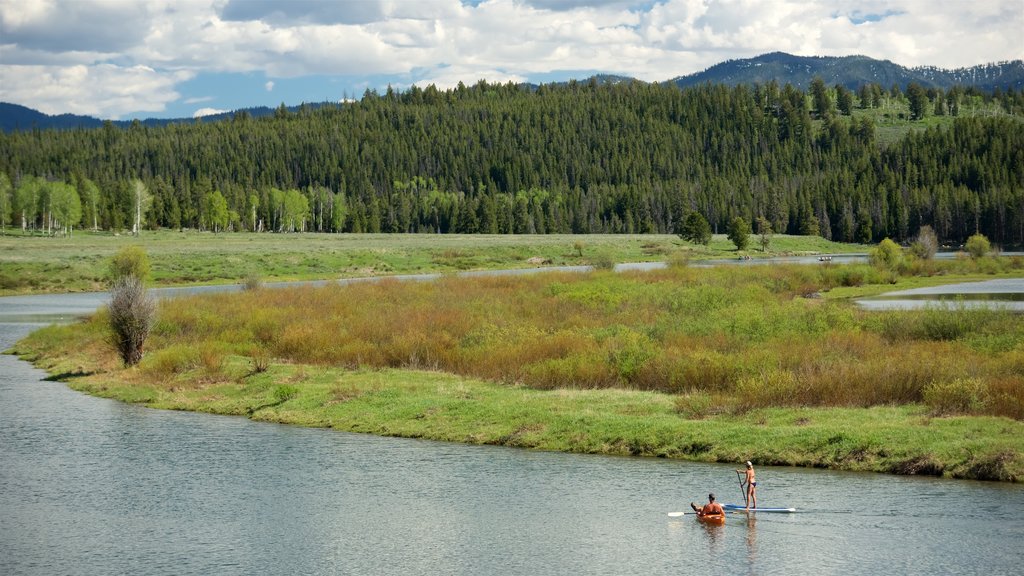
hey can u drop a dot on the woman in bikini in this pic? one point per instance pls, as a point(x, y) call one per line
point(751, 483)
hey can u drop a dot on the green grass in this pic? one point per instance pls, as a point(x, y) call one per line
point(438, 406)
point(35, 264)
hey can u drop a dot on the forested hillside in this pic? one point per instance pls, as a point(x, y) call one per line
point(855, 71)
point(582, 157)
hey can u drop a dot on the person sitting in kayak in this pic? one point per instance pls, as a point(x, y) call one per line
point(751, 483)
point(711, 508)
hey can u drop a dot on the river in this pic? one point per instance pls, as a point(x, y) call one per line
point(93, 486)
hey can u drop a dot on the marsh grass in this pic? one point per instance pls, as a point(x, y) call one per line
point(744, 335)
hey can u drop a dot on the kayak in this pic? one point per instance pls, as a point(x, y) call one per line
point(711, 518)
point(742, 508)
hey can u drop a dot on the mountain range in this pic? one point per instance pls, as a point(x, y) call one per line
point(848, 71)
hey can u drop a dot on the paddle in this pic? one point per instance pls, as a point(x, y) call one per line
point(740, 478)
point(675, 514)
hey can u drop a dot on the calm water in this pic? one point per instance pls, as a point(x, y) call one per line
point(1003, 294)
point(92, 486)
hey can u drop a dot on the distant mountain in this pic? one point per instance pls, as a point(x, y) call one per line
point(17, 117)
point(849, 71)
point(852, 72)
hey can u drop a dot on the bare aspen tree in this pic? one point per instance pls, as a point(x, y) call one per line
point(132, 312)
point(141, 202)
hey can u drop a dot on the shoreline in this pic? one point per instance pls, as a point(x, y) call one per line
point(903, 440)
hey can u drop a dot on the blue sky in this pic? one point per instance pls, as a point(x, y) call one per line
point(121, 59)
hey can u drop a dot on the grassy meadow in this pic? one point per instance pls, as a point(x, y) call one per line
point(710, 364)
point(35, 264)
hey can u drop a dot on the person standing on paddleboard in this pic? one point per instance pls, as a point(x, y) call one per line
point(751, 484)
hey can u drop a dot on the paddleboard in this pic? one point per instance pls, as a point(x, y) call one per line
point(742, 508)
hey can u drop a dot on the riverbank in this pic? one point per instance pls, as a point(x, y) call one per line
point(905, 439)
point(708, 365)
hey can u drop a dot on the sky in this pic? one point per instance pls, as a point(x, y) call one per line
point(124, 59)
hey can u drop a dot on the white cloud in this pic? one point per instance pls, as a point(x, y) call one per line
point(207, 112)
point(118, 56)
point(103, 90)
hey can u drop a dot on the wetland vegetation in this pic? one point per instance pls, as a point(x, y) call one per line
point(711, 364)
point(35, 264)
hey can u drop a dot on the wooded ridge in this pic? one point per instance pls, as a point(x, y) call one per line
point(575, 158)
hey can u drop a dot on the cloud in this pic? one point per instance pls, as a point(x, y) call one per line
point(91, 54)
point(106, 27)
point(303, 12)
point(104, 90)
point(208, 112)
point(563, 5)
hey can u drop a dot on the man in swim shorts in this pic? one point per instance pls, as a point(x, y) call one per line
point(711, 507)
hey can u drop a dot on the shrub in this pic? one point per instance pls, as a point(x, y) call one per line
point(171, 361)
point(252, 281)
point(129, 261)
point(132, 313)
point(260, 359)
point(764, 231)
point(211, 358)
point(978, 246)
point(698, 405)
point(926, 244)
point(695, 228)
point(887, 254)
point(602, 262)
point(770, 388)
point(739, 233)
point(958, 396)
point(285, 392)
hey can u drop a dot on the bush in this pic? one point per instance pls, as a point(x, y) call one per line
point(771, 388)
point(603, 262)
point(887, 254)
point(285, 392)
point(959, 396)
point(260, 359)
point(695, 228)
point(739, 233)
point(698, 405)
point(171, 361)
point(129, 261)
point(978, 246)
point(926, 244)
point(252, 282)
point(132, 313)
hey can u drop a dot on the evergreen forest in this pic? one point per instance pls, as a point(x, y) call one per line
point(581, 157)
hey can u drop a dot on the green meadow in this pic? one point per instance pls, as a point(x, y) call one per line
point(35, 264)
point(712, 364)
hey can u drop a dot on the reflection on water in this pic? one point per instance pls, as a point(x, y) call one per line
point(752, 538)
